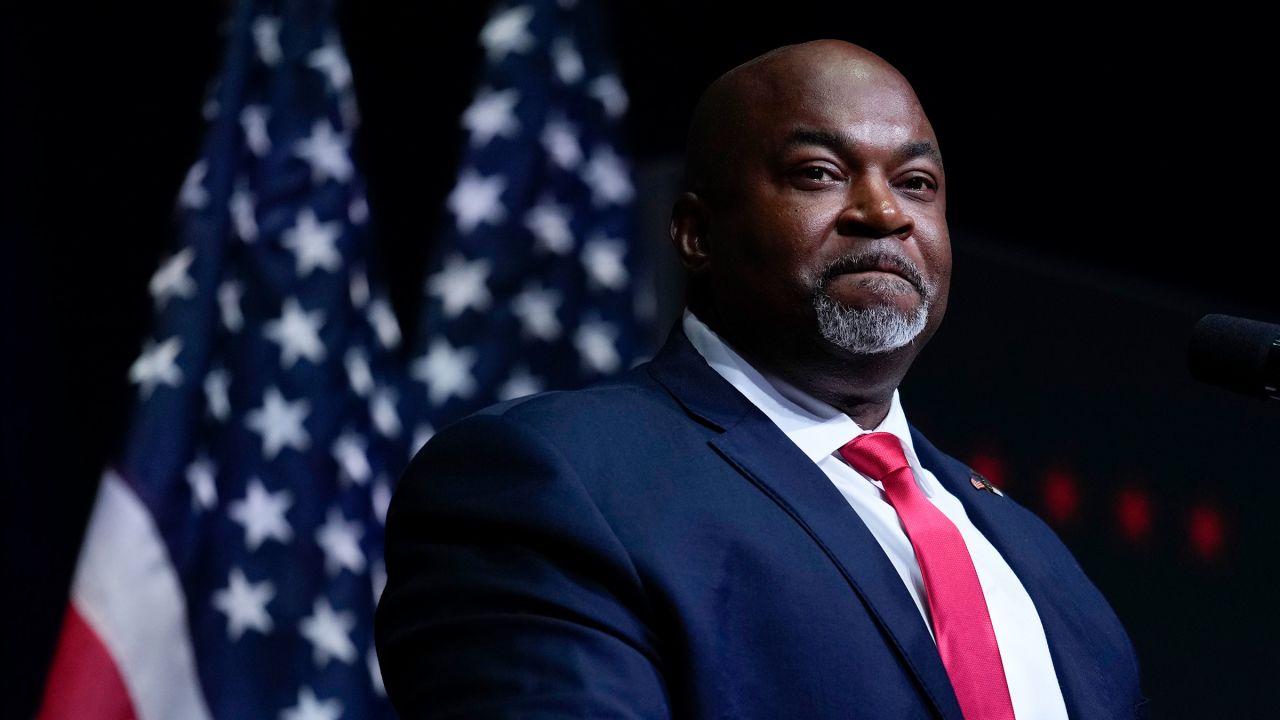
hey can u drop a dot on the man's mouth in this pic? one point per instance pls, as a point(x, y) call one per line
point(877, 263)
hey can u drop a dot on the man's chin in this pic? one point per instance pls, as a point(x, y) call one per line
point(905, 304)
point(872, 329)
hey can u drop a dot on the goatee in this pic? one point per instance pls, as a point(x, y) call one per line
point(876, 329)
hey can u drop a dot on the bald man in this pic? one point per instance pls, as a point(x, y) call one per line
point(747, 526)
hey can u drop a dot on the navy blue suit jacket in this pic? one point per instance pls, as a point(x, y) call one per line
point(655, 547)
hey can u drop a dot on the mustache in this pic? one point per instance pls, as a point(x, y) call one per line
point(877, 260)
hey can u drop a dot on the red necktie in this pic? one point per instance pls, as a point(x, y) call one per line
point(961, 623)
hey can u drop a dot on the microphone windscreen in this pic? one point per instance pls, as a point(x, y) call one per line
point(1233, 352)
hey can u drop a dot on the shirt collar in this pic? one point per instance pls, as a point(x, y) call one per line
point(815, 427)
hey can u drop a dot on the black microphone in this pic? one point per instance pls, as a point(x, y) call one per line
point(1236, 353)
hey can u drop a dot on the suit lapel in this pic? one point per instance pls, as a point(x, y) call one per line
point(752, 444)
point(1016, 534)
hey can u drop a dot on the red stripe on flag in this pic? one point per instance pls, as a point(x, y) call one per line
point(84, 681)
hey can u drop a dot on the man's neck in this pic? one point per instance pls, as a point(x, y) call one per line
point(867, 403)
point(860, 386)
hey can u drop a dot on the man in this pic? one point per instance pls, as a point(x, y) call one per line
point(746, 527)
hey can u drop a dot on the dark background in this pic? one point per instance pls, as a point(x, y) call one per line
point(1109, 183)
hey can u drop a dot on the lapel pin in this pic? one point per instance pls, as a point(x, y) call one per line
point(980, 482)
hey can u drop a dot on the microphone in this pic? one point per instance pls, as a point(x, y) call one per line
point(1237, 354)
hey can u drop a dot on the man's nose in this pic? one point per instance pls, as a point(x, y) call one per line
point(873, 210)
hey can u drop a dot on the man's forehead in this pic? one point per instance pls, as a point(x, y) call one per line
point(902, 142)
point(829, 85)
point(843, 121)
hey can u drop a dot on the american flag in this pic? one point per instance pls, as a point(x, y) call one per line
point(534, 283)
point(233, 559)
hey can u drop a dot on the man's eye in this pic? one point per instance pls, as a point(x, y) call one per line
point(817, 173)
point(919, 183)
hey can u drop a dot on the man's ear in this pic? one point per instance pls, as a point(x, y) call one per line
point(691, 231)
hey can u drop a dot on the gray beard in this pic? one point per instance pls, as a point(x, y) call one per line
point(869, 331)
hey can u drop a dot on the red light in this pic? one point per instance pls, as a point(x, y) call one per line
point(990, 466)
point(1133, 513)
point(1208, 535)
point(1061, 496)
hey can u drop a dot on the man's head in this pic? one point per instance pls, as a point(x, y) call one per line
point(813, 222)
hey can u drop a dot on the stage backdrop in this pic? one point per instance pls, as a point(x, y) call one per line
point(1109, 184)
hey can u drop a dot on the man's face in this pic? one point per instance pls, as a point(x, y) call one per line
point(832, 220)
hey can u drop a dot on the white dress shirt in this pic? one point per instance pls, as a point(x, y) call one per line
point(819, 430)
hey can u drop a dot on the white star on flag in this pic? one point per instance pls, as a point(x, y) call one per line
point(172, 280)
point(280, 423)
point(330, 60)
point(477, 199)
point(229, 294)
point(421, 434)
point(385, 325)
point(603, 259)
point(446, 371)
point(297, 332)
point(242, 215)
point(560, 139)
point(358, 211)
point(549, 224)
point(262, 514)
point(567, 61)
point(609, 91)
point(606, 174)
point(216, 385)
point(520, 383)
point(348, 450)
point(328, 633)
point(382, 410)
point(536, 307)
point(594, 342)
point(492, 114)
point(326, 152)
point(314, 244)
point(192, 195)
point(348, 110)
point(266, 37)
point(201, 475)
point(157, 366)
point(381, 497)
point(507, 32)
point(253, 122)
point(245, 604)
point(378, 580)
point(359, 288)
point(311, 708)
point(358, 372)
point(340, 541)
point(375, 672)
point(461, 285)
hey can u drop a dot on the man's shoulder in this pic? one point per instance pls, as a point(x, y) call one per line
point(608, 435)
point(610, 405)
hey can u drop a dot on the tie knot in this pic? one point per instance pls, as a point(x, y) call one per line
point(876, 455)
